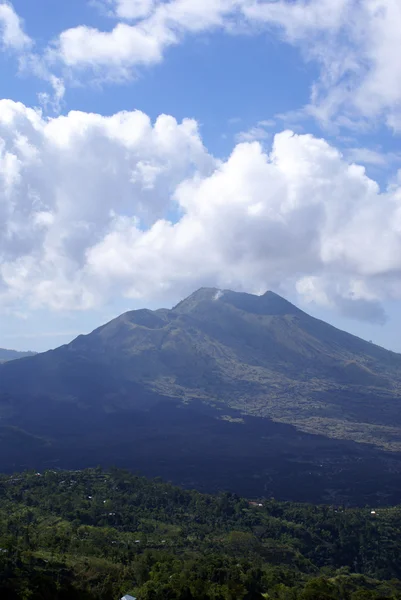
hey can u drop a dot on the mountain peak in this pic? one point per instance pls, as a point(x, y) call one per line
point(279, 305)
point(268, 303)
point(201, 295)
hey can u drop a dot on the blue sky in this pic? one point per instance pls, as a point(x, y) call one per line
point(148, 148)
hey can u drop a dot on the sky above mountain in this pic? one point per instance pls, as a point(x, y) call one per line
point(148, 148)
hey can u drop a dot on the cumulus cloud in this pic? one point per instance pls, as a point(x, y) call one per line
point(67, 183)
point(146, 30)
point(12, 34)
point(96, 208)
point(122, 48)
point(354, 43)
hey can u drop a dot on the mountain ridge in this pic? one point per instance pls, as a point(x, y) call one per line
point(6, 354)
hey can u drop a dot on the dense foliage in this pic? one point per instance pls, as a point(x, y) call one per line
point(98, 535)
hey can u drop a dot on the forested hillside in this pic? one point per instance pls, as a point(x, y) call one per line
point(98, 535)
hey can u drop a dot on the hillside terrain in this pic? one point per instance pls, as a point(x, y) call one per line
point(6, 355)
point(249, 384)
point(96, 535)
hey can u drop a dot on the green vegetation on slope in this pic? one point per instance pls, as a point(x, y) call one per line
point(96, 535)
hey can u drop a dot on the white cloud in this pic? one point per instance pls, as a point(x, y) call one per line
point(120, 49)
point(66, 182)
point(299, 19)
point(52, 101)
point(353, 299)
point(12, 34)
point(147, 29)
point(355, 43)
point(367, 156)
point(256, 133)
point(13, 38)
point(98, 208)
point(132, 9)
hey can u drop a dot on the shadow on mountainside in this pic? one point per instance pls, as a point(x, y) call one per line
point(199, 447)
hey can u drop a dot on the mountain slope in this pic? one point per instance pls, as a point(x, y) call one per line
point(257, 354)
point(224, 390)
